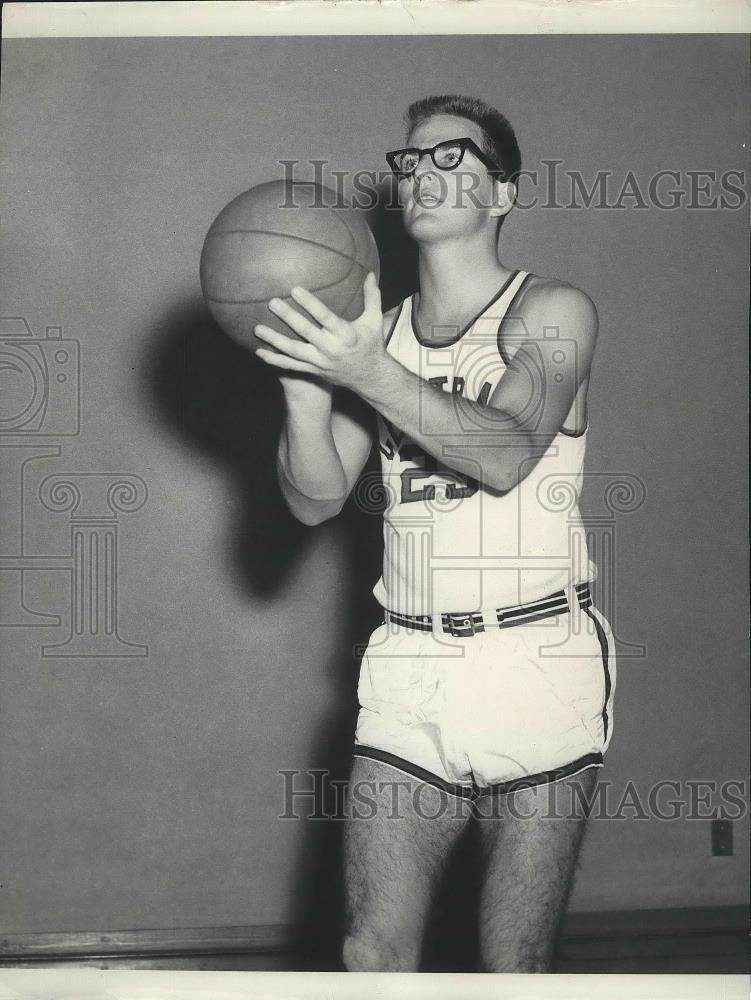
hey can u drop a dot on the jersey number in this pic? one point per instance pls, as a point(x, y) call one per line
point(462, 487)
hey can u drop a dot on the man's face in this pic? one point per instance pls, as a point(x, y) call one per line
point(441, 204)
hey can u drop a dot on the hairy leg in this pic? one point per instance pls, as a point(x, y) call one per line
point(394, 853)
point(531, 841)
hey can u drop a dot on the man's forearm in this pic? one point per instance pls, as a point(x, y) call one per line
point(443, 425)
point(302, 507)
point(308, 456)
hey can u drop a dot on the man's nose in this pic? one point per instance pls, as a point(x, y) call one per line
point(424, 167)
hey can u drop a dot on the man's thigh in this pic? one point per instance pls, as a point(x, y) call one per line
point(399, 833)
point(531, 840)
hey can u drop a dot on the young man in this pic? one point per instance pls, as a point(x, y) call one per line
point(489, 686)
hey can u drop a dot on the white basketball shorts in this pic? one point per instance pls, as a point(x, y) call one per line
point(504, 708)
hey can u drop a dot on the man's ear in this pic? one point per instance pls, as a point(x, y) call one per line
point(504, 196)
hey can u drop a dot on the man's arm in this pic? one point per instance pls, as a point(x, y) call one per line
point(325, 442)
point(497, 444)
point(500, 443)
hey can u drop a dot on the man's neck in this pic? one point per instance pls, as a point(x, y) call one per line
point(455, 283)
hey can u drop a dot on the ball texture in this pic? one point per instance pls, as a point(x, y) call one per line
point(278, 235)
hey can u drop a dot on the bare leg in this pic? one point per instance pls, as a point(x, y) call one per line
point(392, 862)
point(529, 870)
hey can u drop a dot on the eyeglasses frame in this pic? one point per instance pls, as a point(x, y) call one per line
point(465, 143)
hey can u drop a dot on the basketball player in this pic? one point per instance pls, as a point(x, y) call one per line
point(488, 689)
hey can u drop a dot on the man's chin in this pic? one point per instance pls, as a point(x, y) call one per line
point(426, 225)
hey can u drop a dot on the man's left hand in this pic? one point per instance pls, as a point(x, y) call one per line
point(344, 353)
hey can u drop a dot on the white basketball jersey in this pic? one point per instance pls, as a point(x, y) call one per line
point(451, 544)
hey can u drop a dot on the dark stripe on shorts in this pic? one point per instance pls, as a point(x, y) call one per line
point(531, 780)
point(373, 753)
point(605, 653)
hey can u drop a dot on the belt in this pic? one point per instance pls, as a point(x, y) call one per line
point(468, 623)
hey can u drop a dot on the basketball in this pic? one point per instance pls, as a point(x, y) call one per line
point(278, 235)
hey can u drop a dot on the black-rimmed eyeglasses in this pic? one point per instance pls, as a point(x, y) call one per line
point(446, 155)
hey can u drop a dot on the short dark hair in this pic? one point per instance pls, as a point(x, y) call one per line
point(499, 139)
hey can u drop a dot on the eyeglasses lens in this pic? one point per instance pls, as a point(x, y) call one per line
point(448, 155)
point(407, 160)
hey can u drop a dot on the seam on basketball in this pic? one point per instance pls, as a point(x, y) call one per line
point(284, 236)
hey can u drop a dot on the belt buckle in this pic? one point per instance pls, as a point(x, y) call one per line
point(459, 625)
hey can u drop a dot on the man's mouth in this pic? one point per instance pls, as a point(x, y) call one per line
point(425, 198)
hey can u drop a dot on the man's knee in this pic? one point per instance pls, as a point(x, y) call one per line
point(367, 953)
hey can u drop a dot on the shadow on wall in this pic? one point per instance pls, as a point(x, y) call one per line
point(229, 407)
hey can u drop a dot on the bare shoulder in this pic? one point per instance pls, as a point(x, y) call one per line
point(549, 304)
point(552, 301)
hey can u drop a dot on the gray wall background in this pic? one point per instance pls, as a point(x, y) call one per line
point(144, 792)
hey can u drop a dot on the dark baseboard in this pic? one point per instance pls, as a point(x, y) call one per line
point(620, 934)
point(692, 931)
point(171, 942)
